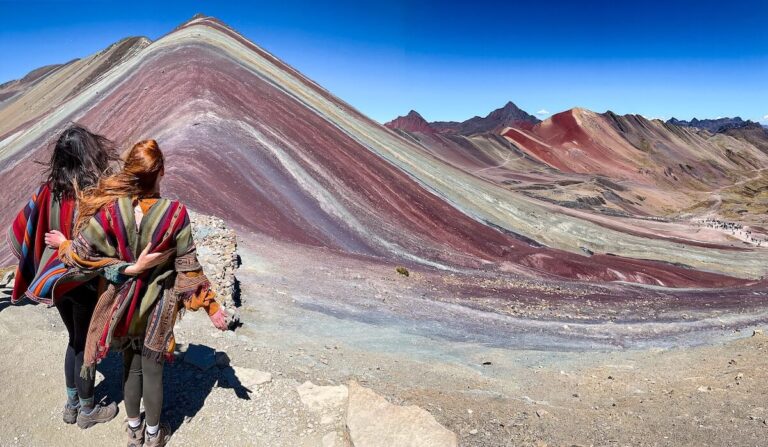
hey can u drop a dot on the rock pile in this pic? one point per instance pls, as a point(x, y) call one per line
point(217, 253)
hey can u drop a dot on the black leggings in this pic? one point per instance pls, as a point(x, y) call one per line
point(76, 309)
point(142, 377)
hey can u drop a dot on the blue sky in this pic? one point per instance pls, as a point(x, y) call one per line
point(453, 60)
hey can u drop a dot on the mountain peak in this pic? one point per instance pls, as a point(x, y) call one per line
point(510, 105)
point(414, 114)
point(511, 111)
point(412, 122)
point(509, 115)
point(197, 17)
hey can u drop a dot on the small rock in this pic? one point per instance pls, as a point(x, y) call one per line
point(757, 332)
point(541, 413)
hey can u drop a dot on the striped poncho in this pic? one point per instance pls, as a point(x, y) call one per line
point(140, 308)
point(40, 275)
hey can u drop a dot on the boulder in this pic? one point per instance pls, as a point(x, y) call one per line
point(374, 422)
point(318, 398)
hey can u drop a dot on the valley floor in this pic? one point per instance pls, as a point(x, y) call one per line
point(378, 331)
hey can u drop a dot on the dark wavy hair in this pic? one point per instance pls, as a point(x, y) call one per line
point(79, 158)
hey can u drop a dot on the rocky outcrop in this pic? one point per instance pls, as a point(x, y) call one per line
point(374, 422)
point(371, 421)
point(317, 398)
point(217, 253)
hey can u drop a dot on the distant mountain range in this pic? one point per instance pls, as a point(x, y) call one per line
point(508, 116)
point(512, 116)
point(714, 125)
point(616, 164)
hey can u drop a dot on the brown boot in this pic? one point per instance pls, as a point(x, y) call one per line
point(135, 435)
point(70, 413)
point(160, 438)
point(99, 414)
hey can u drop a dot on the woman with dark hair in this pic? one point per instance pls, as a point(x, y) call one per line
point(79, 158)
point(139, 309)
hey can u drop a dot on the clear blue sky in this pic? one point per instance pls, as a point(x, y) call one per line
point(452, 60)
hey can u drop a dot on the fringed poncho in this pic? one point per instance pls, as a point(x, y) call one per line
point(143, 307)
point(40, 275)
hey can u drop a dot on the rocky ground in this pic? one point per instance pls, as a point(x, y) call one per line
point(335, 351)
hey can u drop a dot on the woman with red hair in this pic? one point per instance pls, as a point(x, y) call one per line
point(137, 312)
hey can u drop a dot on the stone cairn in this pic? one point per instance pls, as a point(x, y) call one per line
point(216, 251)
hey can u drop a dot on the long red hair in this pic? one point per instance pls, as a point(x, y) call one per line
point(138, 178)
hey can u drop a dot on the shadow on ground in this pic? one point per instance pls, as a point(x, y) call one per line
point(188, 381)
point(5, 302)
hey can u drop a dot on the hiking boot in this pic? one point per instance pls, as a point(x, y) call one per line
point(160, 438)
point(135, 435)
point(70, 413)
point(99, 414)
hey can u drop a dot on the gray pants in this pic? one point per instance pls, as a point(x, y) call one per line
point(142, 377)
